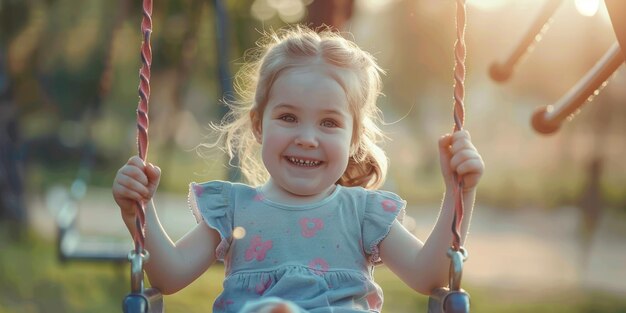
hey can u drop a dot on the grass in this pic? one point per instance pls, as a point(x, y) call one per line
point(33, 280)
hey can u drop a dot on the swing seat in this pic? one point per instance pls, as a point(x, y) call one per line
point(72, 246)
point(149, 301)
point(444, 300)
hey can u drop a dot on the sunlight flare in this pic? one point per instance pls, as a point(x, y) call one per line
point(587, 7)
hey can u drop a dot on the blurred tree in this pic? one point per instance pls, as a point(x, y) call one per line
point(54, 66)
point(181, 55)
point(223, 48)
point(592, 201)
point(335, 13)
point(12, 210)
point(72, 67)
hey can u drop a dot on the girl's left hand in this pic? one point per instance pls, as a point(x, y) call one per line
point(458, 154)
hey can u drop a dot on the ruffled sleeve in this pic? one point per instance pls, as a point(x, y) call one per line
point(381, 209)
point(211, 202)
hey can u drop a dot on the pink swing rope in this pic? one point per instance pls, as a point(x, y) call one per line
point(142, 115)
point(459, 115)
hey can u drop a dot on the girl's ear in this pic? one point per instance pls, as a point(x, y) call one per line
point(257, 125)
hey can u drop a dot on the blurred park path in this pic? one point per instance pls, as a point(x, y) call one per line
point(529, 250)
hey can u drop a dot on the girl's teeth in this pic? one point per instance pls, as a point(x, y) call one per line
point(304, 162)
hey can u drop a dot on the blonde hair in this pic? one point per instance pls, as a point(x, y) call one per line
point(298, 46)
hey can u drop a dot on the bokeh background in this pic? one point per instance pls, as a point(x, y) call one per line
point(550, 219)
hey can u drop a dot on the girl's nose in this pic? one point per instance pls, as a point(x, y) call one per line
point(307, 138)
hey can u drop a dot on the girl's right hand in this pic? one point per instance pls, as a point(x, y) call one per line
point(135, 182)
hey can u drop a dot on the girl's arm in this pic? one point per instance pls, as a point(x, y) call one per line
point(425, 266)
point(171, 266)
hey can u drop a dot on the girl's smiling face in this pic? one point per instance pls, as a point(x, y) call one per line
point(305, 131)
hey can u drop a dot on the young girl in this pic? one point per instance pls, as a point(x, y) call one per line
point(307, 232)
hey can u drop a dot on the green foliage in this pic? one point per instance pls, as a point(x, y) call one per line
point(33, 280)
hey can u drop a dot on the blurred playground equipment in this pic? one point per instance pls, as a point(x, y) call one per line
point(547, 119)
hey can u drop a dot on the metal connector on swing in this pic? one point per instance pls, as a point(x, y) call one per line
point(141, 300)
point(136, 269)
point(457, 257)
point(452, 299)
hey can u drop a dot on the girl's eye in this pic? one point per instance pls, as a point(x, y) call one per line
point(287, 118)
point(329, 123)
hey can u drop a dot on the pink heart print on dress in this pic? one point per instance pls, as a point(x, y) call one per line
point(258, 197)
point(310, 226)
point(198, 190)
point(389, 205)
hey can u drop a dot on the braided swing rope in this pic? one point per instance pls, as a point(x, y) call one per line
point(142, 116)
point(459, 115)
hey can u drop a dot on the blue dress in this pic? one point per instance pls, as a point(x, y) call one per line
point(316, 258)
